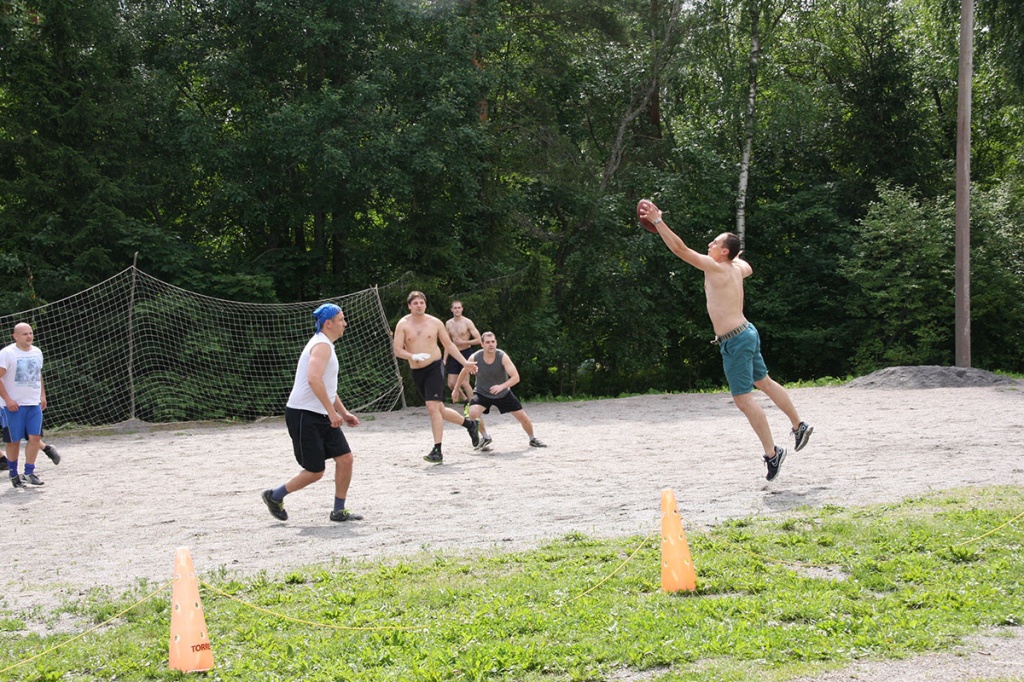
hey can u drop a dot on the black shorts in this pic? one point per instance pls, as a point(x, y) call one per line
point(314, 440)
point(453, 366)
point(507, 403)
point(429, 381)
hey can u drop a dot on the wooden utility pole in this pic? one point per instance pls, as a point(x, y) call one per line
point(963, 187)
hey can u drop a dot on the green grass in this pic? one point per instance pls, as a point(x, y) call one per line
point(776, 596)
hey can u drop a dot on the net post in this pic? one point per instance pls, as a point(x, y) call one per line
point(131, 338)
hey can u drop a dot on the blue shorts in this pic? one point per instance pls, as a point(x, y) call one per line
point(27, 421)
point(741, 358)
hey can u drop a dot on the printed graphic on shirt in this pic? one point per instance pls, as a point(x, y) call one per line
point(28, 372)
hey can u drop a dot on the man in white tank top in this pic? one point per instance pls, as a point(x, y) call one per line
point(314, 415)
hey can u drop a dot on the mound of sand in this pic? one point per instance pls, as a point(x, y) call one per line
point(932, 376)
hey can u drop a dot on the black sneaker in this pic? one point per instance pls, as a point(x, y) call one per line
point(536, 443)
point(345, 515)
point(485, 443)
point(802, 434)
point(17, 482)
point(434, 456)
point(31, 479)
point(775, 463)
point(3, 461)
point(276, 508)
point(52, 453)
point(473, 426)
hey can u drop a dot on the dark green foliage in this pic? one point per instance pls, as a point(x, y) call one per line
point(276, 151)
point(997, 266)
point(902, 268)
point(902, 265)
point(1003, 21)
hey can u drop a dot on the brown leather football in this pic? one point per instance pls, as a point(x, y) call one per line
point(644, 223)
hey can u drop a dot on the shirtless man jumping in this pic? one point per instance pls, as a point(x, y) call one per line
point(416, 338)
point(724, 272)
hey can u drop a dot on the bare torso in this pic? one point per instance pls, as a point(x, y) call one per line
point(723, 288)
point(459, 328)
point(418, 334)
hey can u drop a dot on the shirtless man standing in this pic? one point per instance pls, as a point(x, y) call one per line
point(724, 272)
point(465, 335)
point(416, 338)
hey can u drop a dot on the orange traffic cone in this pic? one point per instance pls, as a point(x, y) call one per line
point(677, 572)
point(190, 644)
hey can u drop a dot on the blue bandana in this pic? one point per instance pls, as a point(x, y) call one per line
point(325, 312)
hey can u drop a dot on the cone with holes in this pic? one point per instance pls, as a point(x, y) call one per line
point(190, 643)
point(677, 572)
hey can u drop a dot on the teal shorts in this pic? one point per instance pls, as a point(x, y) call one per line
point(741, 358)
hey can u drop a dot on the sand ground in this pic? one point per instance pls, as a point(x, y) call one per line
point(119, 505)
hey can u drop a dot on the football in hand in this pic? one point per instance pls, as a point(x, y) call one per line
point(641, 210)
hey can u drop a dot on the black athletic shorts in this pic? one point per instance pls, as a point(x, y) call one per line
point(429, 381)
point(453, 366)
point(506, 403)
point(314, 440)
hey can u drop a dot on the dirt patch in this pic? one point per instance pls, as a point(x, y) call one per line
point(119, 505)
point(932, 376)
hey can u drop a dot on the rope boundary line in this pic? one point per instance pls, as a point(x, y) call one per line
point(92, 629)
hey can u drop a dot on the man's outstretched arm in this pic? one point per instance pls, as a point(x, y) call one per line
point(675, 243)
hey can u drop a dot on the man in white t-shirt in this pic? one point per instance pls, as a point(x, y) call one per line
point(24, 397)
point(314, 415)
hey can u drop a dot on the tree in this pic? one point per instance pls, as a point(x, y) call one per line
point(762, 16)
point(74, 183)
point(903, 269)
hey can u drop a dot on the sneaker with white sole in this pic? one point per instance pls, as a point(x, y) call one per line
point(536, 443)
point(801, 434)
point(485, 443)
point(31, 479)
point(775, 463)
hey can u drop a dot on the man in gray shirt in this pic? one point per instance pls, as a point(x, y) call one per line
point(495, 376)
